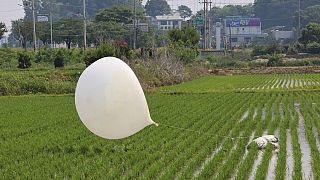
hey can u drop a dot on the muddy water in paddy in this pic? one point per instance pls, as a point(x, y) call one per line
point(296, 84)
point(290, 112)
point(272, 113)
point(274, 85)
point(271, 174)
point(304, 146)
point(283, 83)
point(314, 128)
point(216, 150)
point(289, 158)
point(244, 156)
point(255, 113)
point(281, 111)
point(264, 113)
point(256, 163)
point(244, 116)
point(316, 135)
point(198, 171)
point(288, 83)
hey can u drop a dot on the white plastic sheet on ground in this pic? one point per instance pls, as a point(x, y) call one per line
point(110, 101)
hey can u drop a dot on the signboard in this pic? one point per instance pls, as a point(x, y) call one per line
point(241, 22)
point(144, 27)
point(197, 21)
point(43, 18)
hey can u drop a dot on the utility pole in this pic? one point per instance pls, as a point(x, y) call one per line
point(134, 24)
point(299, 19)
point(209, 26)
point(206, 23)
point(34, 27)
point(51, 34)
point(84, 26)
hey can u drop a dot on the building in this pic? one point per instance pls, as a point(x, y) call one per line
point(241, 31)
point(282, 35)
point(4, 39)
point(167, 22)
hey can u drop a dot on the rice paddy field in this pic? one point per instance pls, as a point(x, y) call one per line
point(205, 127)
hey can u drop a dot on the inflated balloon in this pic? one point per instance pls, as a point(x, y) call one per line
point(110, 101)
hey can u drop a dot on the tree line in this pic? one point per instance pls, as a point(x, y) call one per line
point(110, 19)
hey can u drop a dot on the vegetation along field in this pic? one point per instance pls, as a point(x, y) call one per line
point(213, 119)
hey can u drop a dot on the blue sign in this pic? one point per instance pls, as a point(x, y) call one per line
point(241, 22)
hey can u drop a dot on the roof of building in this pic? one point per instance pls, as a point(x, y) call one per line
point(169, 17)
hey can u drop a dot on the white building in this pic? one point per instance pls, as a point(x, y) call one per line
point(168, 22)
point(241, 31)
point(282, 35)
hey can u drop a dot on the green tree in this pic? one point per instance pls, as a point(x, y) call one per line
point(280, 12)
point(22, 31)
point(118, 14)
point(2, 29)
point(157, 8)
point(187, 36)
point(229, 10)
point(184, 11)
point(184, 43)
point(310, 14)
point(43, 32)
point(24, 60)
point(103, 32)
point(310, 34)
point(73, 8)
point(69, 31)
point(59, 60)
point(116, 24)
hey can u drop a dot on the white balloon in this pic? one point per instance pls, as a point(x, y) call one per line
point(110, 101)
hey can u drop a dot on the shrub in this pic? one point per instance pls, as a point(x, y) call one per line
point(24, 60)
point(266, 49)
point(92, 55)
point(292, 50)
point(313, 48)
point(275, 60)
point(44, 55)
point(59, 60)
point(187, 55)
point(122, 49)
point(258, 50)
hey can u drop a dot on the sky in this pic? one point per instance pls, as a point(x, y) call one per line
point(10, 10)
point(194, 5)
